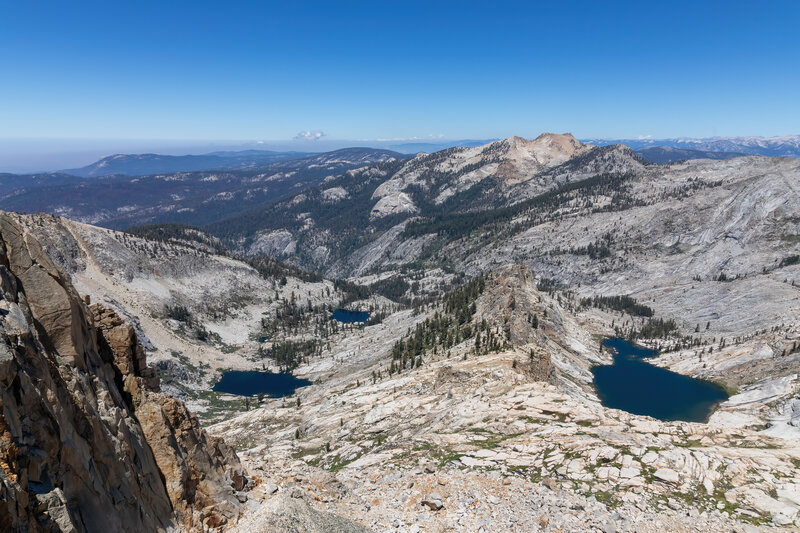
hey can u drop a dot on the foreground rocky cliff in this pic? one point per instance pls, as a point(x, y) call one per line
point(87, 443)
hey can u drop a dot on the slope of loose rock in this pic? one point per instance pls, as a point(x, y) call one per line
point(139, 278)
point(499, 451)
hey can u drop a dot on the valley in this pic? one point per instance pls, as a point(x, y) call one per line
point(447, 318)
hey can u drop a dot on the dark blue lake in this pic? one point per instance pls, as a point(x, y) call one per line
point(250, 383)
point(350, 317)
point(635, 386)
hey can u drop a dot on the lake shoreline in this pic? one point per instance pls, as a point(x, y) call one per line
point(634, 385)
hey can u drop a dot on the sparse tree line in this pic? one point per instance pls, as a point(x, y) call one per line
point(180, 234)
point(157, 248)
point(625, 304)
point(448, 327)
point(272, 269)
point(188, 325)
point(289, 354)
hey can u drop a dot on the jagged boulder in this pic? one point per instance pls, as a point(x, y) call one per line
point(86, 441)
point(199, 471)
point(794, 413)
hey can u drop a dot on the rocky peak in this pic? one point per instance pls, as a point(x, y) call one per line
point(54, 305)
point(524, 158)
point(87, 443)
point(556, 142)
point(447, 173)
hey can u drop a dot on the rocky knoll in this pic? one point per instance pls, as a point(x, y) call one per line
point(87, 443)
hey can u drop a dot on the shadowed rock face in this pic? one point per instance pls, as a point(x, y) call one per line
point(87, 443)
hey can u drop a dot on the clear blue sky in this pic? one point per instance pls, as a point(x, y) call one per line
point(371, 70)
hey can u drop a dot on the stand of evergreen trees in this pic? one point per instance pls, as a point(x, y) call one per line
point(618, 303)
point(654, 328)
point(294, 318)
point(442, 331)
point(271, 268)
point(289, 354)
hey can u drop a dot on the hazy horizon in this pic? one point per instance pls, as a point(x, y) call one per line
point(20, 156)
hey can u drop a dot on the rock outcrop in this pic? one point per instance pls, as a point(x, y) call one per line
point(287, 513)
point(87, 443)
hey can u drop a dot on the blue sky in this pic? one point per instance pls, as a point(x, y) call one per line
point(374, 70)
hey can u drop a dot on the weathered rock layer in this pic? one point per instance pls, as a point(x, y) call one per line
point(87, 443)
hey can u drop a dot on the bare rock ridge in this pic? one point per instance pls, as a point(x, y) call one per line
point(510, 161)
point(87, 443)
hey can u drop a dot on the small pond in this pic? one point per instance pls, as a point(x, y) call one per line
point(635, 386)
point(349, 317)
point(250, 383)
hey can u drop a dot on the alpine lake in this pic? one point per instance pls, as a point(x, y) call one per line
point(632, 384)
point(274, 384)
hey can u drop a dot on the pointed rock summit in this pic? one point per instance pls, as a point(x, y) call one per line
point(447, 173)
point(525, 158)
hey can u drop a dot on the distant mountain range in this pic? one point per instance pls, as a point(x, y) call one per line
point(430, 147)
point(146, 164)
point(149, 164)
point(785, 146)
point(126, 190)
point(193, 197)
point(687, 148)
point(655, 150)
point(669, 154)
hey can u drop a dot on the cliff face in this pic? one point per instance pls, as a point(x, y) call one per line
point(87, 443)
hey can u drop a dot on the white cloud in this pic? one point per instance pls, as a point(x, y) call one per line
point(309, 135)
point(414, 138)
